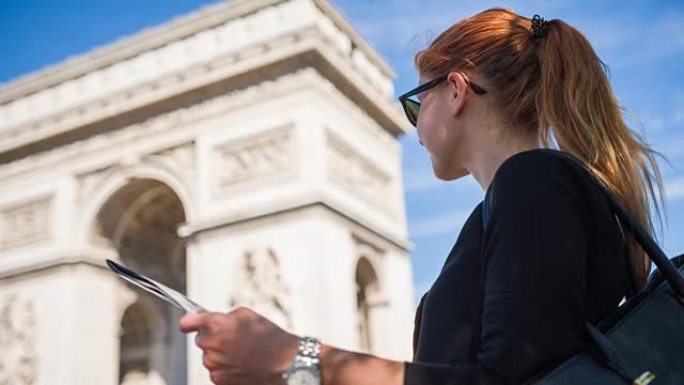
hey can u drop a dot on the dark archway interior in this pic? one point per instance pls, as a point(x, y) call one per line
point(366, 289)
point(140, 222)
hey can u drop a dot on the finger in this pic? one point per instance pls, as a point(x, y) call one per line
point(230, 376)
point(208, 362)
point(198, 339)
point(220, 323)
point(218, 377)
point(192, 322)
point(206, 340)
point(242, 312)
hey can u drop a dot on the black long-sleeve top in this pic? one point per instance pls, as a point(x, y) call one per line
point(512, 298)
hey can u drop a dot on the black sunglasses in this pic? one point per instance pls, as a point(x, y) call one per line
point(412, 107)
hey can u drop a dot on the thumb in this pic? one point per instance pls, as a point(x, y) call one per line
point(192, 322)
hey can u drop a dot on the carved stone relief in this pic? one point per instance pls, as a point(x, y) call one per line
point(259, 157)
point(259, 284)
point(18, 358)
point(25, 223)
point(87, 182)
point(349, 169)
point(181, 158)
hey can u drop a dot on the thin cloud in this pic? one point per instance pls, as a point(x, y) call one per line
point(672, 147)
point(421, 180)
point(614, 37)
point(674, 188)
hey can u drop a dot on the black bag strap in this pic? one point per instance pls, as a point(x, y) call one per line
point(669, 271)
point(608, 355)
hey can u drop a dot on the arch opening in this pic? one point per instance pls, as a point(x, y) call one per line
point(140, 222)
point(367, 291)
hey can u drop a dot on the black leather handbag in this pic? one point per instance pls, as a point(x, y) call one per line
point(642, 342)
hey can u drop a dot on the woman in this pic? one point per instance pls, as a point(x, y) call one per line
point(538, 258)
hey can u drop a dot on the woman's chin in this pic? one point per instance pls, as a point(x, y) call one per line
point(449, 174)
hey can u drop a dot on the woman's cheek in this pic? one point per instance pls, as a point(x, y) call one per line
point(424, 132)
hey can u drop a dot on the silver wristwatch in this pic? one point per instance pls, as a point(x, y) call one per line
point(306, 366)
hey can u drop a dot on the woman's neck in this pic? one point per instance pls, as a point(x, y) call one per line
point(488, 159)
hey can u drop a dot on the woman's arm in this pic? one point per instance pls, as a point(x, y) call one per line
point(242, 347)
point(341, 367)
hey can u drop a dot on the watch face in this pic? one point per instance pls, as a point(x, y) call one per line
point(304, 377)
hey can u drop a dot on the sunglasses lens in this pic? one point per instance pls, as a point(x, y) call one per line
point(411, 108)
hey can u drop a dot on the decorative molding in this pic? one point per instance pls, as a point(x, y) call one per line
point(104, 105)
point(87, 182)
point(25, 223)
point(304, 203)
point(18, 329)
point(181, 158)
point(356, 173)
point(259, 284)
point(55, 263)
point(367, 248)
point(262, 157)
point(285, 84)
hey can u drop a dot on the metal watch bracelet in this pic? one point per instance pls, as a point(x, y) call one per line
point(306, 360)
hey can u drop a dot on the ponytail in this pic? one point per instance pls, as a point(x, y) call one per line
point(578, 110)
point(556, 85)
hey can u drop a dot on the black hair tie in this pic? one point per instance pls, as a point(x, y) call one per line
point(539, 26)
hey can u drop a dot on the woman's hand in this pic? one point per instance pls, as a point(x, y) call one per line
point(241, 347)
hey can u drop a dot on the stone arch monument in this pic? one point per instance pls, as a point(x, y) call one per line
point(243, 165)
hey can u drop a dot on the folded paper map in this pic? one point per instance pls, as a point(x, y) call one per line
point(148, 284)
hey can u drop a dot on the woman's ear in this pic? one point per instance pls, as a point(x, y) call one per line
point(457, 89)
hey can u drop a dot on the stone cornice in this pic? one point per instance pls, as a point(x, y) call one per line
point(33, 269)
point(158, 125)
point(117, 103)
point(303, 202)
point(179, 28)
point(356, 37)
point(306, 48)
point(302, 73)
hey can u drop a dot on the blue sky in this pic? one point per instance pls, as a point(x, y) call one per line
point(642, 42)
